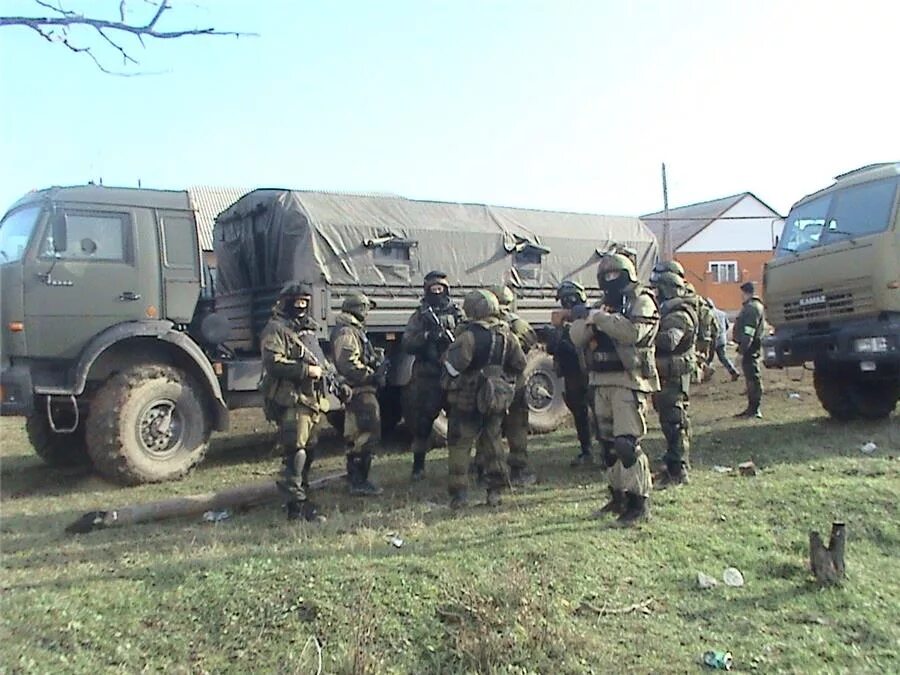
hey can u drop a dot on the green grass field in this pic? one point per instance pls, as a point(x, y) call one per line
point(536, 586)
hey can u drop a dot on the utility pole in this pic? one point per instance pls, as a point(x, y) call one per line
point(667, 232)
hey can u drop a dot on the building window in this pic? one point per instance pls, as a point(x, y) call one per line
point(724, 272)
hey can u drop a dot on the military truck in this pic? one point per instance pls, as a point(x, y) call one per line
point(832, 292)
point(120, 352)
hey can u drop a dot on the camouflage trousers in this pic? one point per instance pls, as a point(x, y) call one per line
point(671, 403)
point(466, 428)
point(621, 420)
point(750, 366)
point(423, 401)
point(362, 422)
point(296, 437)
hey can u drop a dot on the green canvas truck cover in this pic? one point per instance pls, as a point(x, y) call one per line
point(271, 236)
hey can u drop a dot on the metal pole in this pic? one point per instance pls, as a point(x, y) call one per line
point(667, 233)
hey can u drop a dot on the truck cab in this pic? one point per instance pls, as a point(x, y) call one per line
point(832, 292)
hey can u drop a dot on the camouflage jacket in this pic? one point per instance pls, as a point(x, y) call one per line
point(619, 347)
point(355, 358)
point(286, 360)
point(750, 325)
point(468, 355)
point(423, 340)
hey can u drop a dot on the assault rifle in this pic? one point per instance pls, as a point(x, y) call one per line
point(330, 382)
point(445, 332)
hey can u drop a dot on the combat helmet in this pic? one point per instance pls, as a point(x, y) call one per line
point(357, 304)
point(481, 304)
point(663, 266)
point(289, 294)
point(436, 277)
point(505, 297)
point(572, 290)
point(669, 284)
point(615, 262)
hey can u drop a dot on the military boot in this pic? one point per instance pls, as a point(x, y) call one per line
point(520, 476)
point(418, 468)
point(459, 499)
point(671, 476)
point(360, 485)
point(637, 510)
point(615, 505)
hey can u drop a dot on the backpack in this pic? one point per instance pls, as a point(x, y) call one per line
point(495, 391)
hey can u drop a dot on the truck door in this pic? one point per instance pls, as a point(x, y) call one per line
point(106, 273)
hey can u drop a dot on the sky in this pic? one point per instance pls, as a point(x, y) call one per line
point(561, 105)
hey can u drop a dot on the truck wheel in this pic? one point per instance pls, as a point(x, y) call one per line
point(544, 392)
point(833, 392)
point(56, 449)
point(148, 424)
point(874, 400)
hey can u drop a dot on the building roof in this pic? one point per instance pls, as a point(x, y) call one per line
point(687, 221)
point(208, 202)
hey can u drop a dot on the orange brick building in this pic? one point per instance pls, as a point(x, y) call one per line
point(721, 243)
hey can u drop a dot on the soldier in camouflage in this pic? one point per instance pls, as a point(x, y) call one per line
point(569, 365)
point(515, 424)
point(675, 361)
point(360, 364)
point(480, 372)
point(618, 344)
point(707, 333)
point(429, 332)
point(291, 396)
point(748, 333)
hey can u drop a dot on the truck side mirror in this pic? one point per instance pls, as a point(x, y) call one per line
point(58, 230)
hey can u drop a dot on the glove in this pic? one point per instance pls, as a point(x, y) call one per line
point(344, 393)
point(579, 311)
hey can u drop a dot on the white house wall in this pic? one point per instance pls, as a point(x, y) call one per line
point(755, 234)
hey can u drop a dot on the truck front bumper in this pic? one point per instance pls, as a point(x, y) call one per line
point(836, 345)
point(16, 392)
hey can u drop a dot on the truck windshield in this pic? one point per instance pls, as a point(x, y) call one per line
point(15, 233)
point(845, 214)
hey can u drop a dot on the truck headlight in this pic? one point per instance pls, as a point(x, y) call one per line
point(870, 345)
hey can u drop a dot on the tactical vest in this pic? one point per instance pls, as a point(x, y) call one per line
point(674, 306)
point(610, 356)
point(490, 347)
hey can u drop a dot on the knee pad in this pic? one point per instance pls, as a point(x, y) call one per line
point(627, 450)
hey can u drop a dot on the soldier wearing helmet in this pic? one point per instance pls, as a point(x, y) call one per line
point(569, 365)
point(676, 363)
point(291, 398)
point(618, 346)
point(515, 424)
point(707, 333)
point(663, 266)
point(360, 364)
point(429, 332)
point(480, 372)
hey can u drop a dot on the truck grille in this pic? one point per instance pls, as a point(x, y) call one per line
point(817, 304)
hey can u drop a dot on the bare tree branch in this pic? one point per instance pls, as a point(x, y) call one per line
point(56, 29)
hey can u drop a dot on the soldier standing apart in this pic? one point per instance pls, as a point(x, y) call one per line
point(291, 395)
point(428, 334)
point(515, 424)
point(722, 340)
point(568, 363)
point(676, 362)
point(359, 364)
point(619, 343)
point(748, 333)
point(481, 369)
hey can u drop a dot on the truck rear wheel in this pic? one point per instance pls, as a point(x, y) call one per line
point(62, 450)
point(833, 391)
point(147, 424)
point(544, 393)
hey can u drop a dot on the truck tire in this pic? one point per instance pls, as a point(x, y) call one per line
point(544, 392)
point(874, 400)
point(147, 424)
point(833, 391)
point(60, 450)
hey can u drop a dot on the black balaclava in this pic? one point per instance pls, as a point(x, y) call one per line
point(437, 300)
point(615, 289)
